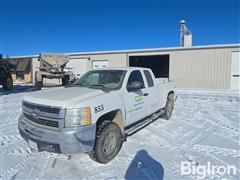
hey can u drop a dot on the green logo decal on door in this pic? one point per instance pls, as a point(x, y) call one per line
point(138, 98)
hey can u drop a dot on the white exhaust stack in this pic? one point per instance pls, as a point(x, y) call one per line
point(185, 35)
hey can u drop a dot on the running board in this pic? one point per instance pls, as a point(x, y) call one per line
point(132, 129)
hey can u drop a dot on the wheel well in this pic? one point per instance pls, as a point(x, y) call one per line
point(115, 116)
point(170, 97)
point(108, 116)
point(171, 92)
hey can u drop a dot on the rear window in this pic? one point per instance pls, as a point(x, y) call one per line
point(149, 78)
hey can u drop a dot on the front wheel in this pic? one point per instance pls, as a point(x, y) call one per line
point(38, 85)
point(65, 80)
point(108, 143)
point(8, 83)
point(38, 81)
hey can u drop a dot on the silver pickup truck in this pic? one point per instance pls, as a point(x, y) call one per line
point(97, 113)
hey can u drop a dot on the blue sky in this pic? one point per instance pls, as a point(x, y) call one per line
point(34, 26)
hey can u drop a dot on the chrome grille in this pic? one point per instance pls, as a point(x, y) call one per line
point(46, 109)
point(42, 114)
point(41, 121)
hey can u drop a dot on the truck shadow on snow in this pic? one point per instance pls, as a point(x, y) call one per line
point(143, 166)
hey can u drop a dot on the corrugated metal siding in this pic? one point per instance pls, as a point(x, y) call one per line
point(202, 68)
point(199, 68)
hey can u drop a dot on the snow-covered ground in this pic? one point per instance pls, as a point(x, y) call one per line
point(204, 128)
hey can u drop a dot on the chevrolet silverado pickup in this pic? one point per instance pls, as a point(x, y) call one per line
point(96, 113)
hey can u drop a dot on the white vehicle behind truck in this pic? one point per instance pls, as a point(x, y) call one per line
point(97, 113)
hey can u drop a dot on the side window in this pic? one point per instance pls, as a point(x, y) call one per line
point(135, 76)
point(149, 78)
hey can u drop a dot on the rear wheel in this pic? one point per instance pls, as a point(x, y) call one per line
point(8, 83)
point(169, 107)
point(38, 85)
point(38, 81)
point(108, 142)
point(65, 80)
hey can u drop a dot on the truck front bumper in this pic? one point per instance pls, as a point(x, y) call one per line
point(64, 140)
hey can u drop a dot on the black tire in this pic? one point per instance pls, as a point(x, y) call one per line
point(65, 80)
point(169, 107)
point(38, 81)
point(38, 85)
point(8, 83)
point(107, 144)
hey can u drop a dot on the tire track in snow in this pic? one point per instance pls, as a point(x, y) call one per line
point(21, 151)
point(12, 119)
point(37, 171)
point(27, 155)
point(215, 98)
point(15, 169)
point(173, 169)
point(9, 139)
point(216, 150)
point(218, 120)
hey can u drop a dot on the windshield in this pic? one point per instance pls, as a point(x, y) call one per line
point(104, 79)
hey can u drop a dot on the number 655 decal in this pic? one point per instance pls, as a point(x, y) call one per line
point(98, 108)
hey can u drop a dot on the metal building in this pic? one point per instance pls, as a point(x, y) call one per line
point(211, 67)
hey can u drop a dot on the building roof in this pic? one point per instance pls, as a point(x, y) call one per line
point(141, 50)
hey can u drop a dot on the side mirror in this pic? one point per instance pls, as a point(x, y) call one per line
point(135, 85)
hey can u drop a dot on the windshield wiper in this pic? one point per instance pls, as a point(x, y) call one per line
point(77, 85)
point(102, 87)
point(99, 85)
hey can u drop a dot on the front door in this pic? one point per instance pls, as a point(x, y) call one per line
point(135, 101)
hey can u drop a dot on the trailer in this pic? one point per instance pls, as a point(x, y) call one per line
point(53, 66)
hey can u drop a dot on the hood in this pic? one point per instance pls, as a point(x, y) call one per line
point(62, 96)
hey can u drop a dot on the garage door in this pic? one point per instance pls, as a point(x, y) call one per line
point(159, 64)
point(79, 66)
point(100, 64)
point(235, 71)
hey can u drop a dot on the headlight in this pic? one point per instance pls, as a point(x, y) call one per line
point(78, 117)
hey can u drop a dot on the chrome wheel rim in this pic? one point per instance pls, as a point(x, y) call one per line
point(109, 143)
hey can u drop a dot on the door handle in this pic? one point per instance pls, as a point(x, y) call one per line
point(145, 94)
